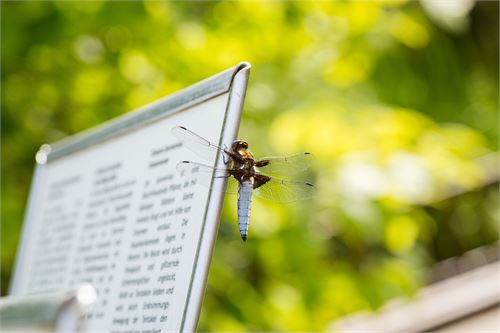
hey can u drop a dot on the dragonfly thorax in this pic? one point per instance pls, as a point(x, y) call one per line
point(243, 170)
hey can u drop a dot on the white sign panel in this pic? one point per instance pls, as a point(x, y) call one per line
point(108, 207)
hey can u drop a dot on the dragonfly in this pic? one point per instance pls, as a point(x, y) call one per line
point(247, 176)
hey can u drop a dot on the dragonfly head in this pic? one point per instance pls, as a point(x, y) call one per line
point(239, 146)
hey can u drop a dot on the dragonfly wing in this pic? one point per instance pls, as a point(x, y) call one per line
point(202, 174)
point(232, 186)
point(280, 190)
point(285, 166)
point(196, 143)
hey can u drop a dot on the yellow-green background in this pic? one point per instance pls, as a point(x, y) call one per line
point(396, 105)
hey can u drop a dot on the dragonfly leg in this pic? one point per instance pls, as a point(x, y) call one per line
point(234, 157)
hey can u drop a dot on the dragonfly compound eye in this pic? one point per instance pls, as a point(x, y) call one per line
point(239, 144)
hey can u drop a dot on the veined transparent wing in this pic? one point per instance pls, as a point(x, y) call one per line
point(201, 174)
point(196, 143)
point(280, 190)
point(285, 166)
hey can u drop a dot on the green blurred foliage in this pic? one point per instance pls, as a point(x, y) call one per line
point(397, 108)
